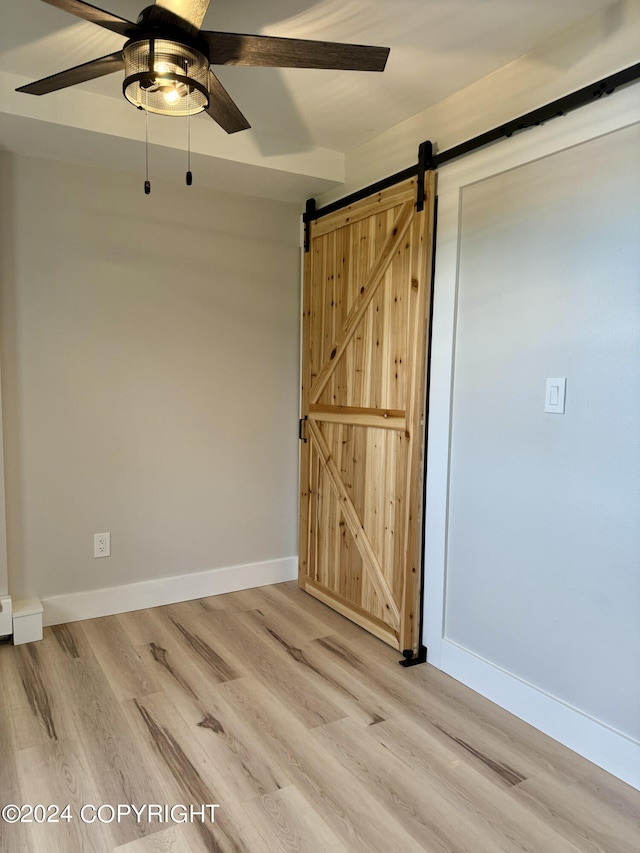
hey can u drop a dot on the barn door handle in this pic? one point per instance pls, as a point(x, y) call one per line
point(300, 428)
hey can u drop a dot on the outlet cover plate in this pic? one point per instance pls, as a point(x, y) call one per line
point(102, 545)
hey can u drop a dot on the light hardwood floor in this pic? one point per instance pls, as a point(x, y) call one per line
point(299, 725)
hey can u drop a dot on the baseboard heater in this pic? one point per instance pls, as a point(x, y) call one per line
point(20, 621)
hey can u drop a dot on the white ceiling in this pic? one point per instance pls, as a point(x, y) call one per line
point(302, 120)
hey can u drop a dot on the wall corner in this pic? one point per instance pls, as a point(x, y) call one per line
point(6, 616)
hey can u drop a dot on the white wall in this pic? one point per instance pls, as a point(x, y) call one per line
point(4, 576)
point(544, 509)
point(532, 590)
point(150, 376)
point(5, 269)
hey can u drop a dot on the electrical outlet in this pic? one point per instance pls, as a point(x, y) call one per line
point(102, 545)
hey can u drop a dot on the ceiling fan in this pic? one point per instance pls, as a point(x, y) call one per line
point(167, 56)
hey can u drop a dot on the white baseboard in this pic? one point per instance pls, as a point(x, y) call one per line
point(595, 741)
point(154, 593)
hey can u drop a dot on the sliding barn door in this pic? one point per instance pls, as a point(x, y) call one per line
point(365, 339)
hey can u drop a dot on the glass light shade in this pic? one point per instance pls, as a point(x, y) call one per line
point(166, 77)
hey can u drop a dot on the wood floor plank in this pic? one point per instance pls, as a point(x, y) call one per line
point(481, 731)
point(288, 824)
point(232, 747)
point(118, 765)
point(8, 749)
point(537, 749)
point(290, 595)
point(268, 617)
point(143, 626)
point(231, 631)
point(207, 716)
point(299, 625)
point(173, 666)
point(200, 780)
point(619, 796)
point(434, 814)
point(423, 753)
point(121, 663)
point(299, 724)
point(321, 671)
point(170, 638)
point(236, 602)
point(472, 744)
point(579, 816)
point(30, 695)
point(12, 836)
point(182, 839)
point(15, 839)
point(215, 663)
point(57, 774)
point(326, 786)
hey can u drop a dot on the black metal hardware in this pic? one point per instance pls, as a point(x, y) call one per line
point(310, 213)
point(539, 116)
point(425, 156)
point(413, 660)
point(300, 428)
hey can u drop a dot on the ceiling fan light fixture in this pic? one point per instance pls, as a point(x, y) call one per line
point(165, 77)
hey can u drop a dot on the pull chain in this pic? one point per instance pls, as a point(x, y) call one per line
point(189, 175)
point(147, 183)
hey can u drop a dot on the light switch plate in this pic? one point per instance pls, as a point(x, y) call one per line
point(555, 396)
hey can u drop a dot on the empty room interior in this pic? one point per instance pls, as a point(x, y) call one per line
point(320, 426)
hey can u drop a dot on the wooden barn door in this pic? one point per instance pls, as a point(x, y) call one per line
point(365, 338)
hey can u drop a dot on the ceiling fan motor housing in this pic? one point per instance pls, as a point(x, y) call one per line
point(165, 76)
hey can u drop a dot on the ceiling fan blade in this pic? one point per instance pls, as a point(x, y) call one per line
point(96, 16)
point(192, 11)
point(236, 49)
point(79, 74)
point(222, 107)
